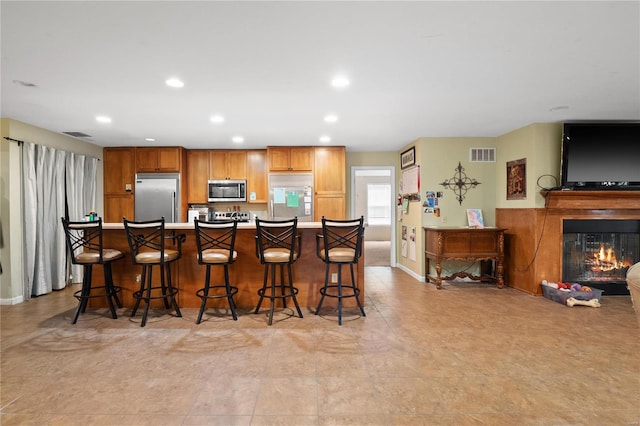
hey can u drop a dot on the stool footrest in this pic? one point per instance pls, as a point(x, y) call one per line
point(169, 292)
point(292, 293)
point(233, 292)
point(353, 292)
point(116, 289)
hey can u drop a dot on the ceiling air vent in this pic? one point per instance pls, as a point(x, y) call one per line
point(482, 155)
point(77, 134)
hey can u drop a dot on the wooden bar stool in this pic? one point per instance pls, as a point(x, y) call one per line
point(216, 242)
point(84, 242)
point(340, 244)
point(277, 245)
point(147, 245)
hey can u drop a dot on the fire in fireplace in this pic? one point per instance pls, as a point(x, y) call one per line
point(598, 253)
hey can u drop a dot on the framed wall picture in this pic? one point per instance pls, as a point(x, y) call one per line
point(517, 179)
point(408, 158)
point(474, 218)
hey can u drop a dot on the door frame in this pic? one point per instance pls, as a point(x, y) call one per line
point(392, 182)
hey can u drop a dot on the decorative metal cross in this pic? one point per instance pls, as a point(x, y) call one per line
point(460, 183)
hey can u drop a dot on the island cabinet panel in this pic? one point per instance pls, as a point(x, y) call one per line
point(162, 160)
point(257, 190)
point(290, 159)
point(230, 164)
point(246, 273)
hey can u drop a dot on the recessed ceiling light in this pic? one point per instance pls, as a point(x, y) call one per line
point(331, 118)
point(174, 82)
point(340, 82)
point(150, 139)
point(325, 139)
point(237, 139)
point(217, 119)
point(103, 119)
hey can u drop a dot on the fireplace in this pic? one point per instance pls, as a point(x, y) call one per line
point(598, 252)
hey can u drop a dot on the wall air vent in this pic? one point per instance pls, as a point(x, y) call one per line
point(77, 134)
point(482, 155)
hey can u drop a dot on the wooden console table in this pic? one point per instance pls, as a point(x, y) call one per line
point(462, 243)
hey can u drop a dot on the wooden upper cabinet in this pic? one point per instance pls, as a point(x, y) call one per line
point(197, 176)
point(329, 170)
point(329, 180)
point(118, 167)
point(230, 164)
point(290, 159)
point(119, 175)
point(162, 159)
point(257, 190)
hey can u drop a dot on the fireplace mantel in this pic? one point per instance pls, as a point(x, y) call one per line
point(592, 200)
point(533, 240)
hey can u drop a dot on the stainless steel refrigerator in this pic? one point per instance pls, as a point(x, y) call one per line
point(157, 195)
point(291, 195)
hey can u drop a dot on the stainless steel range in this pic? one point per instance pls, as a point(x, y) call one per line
point(238, 216)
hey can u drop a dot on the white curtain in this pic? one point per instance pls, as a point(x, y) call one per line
point(81, 193)
point(44, 205)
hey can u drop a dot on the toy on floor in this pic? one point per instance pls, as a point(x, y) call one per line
point(571, 294)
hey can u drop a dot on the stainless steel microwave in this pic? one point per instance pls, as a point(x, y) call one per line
point(227, 190)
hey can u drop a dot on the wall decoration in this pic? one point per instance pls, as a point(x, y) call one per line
point(405, 243)
point(517, 179)
point(460, 183)
point(410, 183)
point(474, 217)
point(412, 243)
point(408, 158)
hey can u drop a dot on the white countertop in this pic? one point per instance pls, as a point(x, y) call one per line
point(241, 225)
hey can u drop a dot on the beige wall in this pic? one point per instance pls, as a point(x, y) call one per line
point(11, 196)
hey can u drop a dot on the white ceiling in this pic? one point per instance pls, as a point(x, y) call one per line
point(417, 69)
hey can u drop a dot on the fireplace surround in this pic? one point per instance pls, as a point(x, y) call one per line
point(534, 236)
point(598, 252)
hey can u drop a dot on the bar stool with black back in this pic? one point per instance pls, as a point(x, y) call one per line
point(278, 245)
point(216, 242)
point(340, 244)
point(147, 243)
point(84, 242)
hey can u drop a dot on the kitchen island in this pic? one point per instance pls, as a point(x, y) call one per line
point(246, 272)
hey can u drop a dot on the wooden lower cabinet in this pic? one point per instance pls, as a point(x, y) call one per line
point(117, 206)
point(329, 206)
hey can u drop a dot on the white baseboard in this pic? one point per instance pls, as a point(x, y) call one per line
point(410, 272)
point(13, 301)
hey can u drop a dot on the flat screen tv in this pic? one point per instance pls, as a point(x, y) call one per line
point(601, 155)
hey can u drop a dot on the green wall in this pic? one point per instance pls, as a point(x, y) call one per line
point(540, 144)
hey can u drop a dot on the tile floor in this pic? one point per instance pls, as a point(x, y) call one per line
point(468, 354)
